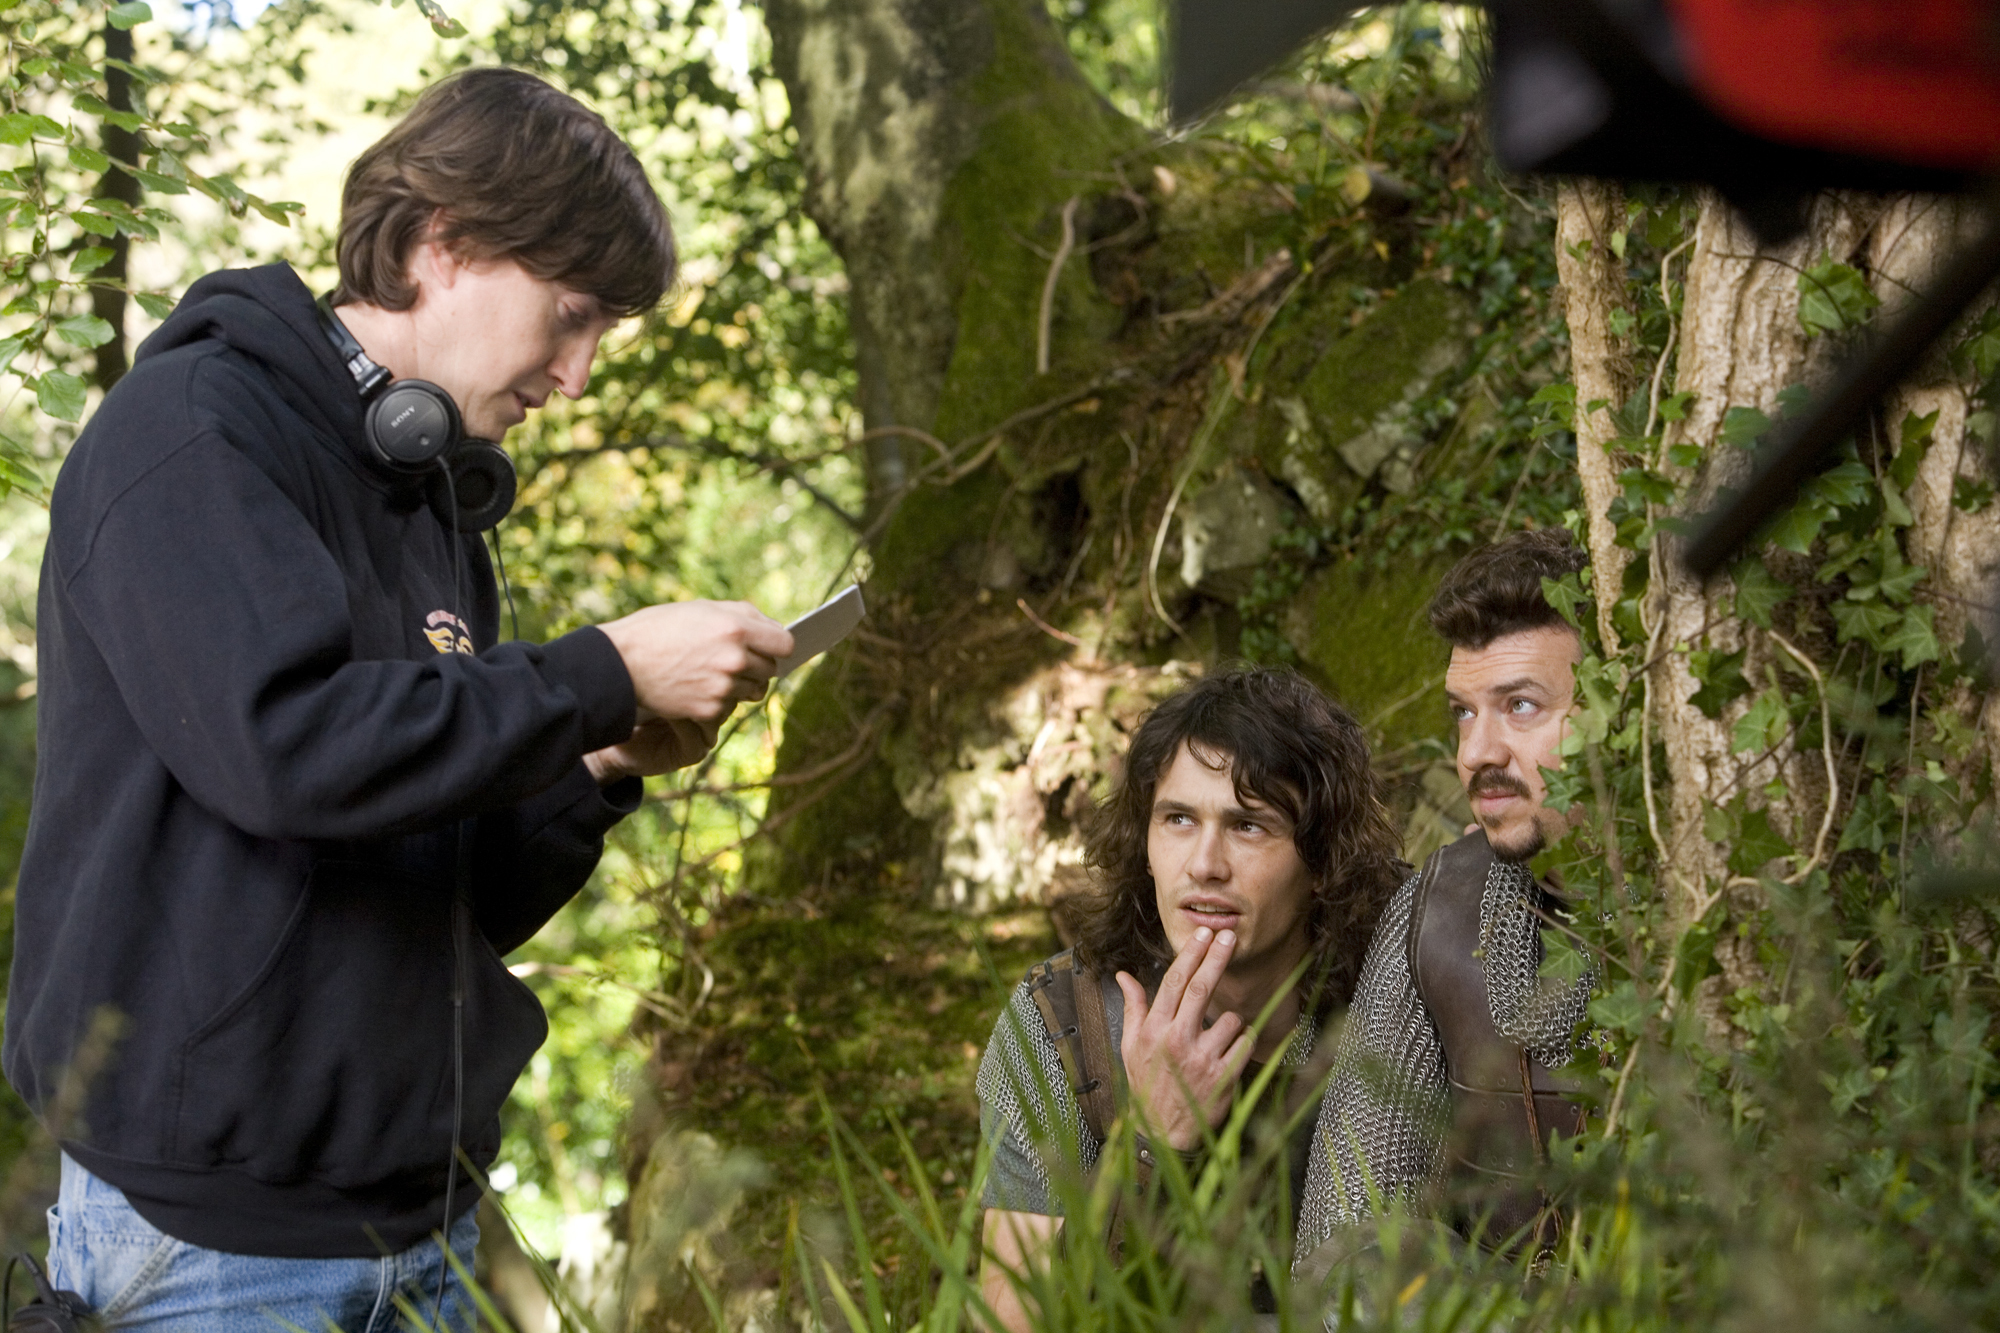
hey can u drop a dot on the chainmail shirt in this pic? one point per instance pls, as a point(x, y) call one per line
point(1382, 1125)
point(1028, 1112)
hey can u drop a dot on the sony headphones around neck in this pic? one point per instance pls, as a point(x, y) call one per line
point(413, 428)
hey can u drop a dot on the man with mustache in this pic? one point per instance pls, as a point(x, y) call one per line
point(1240, 863)
point(1442, 1077)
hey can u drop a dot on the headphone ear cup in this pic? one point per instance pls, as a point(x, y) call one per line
point(412, 425)
point(482, 481)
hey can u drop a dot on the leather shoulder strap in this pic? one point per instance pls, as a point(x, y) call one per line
point(1071, 1003)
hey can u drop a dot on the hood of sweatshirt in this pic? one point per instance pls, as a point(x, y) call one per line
point(267, 313)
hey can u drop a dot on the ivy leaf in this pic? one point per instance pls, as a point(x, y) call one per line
point(130, 14)
point(1675, 405)
point(60, 394)
point(1758, 593)
point(1869, 825)
point(1865, 621)
point(1756, 843)
point(1763, 726)
point(84, 331)
point(1642, 485)
point(1567, 596)
point(1797, 527)
point(1684, 455)
point(1623, 1008)
point(1910, 453)
point(1721, 677)
point(1982, 348)
point(1742, 425)
point(1915, 638)
point(1560, 399)
point(1845, 486)
point(1834, 297)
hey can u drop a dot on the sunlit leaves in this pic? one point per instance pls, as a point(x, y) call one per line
point(60, 394)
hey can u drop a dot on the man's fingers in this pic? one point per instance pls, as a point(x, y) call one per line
point(1167, 1001)
point(1192, 1006)
point(764, 635)
point(1221, 1035)
point(1237, 1057)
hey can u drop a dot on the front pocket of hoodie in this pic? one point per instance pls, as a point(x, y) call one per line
point(329, 1065)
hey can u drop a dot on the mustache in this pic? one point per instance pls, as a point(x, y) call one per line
point(1492, 781)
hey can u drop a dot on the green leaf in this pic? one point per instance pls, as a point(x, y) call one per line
point(1867, 621)
point(1910, 453)
point(1623, 1008)
point(1756, 843)
point(1762, 726)
point(84, 331)
point(1642, 485)
point(159, 307)
point(1797, 527)
point(1560, 399)
point(88, 158)
point(1742, 425)
point(1674, 406)
point(15, 128)
point(1567, 596)
point(46, 128)
point(130, 14)
point(1982, 346)
point(9, 349)
point(1870, 825)
point(1834, 297)
point(1721, 677)
point(1915, 638)
point(89, 261)
point(94, 223)
point(1684, 455)
point(60, 394)
point(1758, 593)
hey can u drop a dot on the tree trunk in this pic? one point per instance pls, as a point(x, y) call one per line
point(1588, 214)
point(107, 288)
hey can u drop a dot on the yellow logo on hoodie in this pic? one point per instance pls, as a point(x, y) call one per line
point(447, 633)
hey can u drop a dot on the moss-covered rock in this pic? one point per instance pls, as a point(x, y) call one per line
point(1358, 627)
point(1352, 415)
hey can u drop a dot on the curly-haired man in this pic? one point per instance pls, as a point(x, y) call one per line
point(1240, 865)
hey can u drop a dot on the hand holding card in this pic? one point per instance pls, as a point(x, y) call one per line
point(816, 631)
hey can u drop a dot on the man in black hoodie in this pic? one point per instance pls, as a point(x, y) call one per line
point(295, 800)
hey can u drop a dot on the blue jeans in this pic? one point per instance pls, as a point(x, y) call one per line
point(138, 1278)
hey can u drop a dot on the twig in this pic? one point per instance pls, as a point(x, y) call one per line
point(1044, 626)
point(1826, 749)
point(1061, 258)
point(1667, 348)
point(1200, 445)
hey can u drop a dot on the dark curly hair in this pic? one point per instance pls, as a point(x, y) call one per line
point(1289, 747)
point(1497, 590)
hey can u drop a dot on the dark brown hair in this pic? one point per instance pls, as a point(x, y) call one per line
point(506, 167)
point(1289, 747)
point(1497, 589)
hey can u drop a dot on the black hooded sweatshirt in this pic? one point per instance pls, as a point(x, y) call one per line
point(261, 745)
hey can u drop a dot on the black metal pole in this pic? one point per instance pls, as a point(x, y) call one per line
point(1799, 447)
